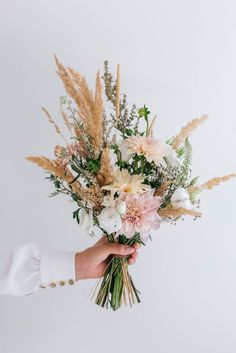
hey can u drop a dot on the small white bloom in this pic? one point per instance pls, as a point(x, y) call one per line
point(113, 157)
point(110, 220)
point(180, 198)
point(171, 155)
point(108, 201)
point(86, 220)
point(121, 207)
point(125, 155)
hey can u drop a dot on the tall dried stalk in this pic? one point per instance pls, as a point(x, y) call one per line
point(56, 168)
point(66, 120)
point(118, 92)
point(162, 189)
point(210, 184)
point(106, 174)
point(92, 195)
point(187, 130)
point(172, 212)
point(51, 121)
point(89, 108)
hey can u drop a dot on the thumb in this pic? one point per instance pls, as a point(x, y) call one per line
point(117, 249)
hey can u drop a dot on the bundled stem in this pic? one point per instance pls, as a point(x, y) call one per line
point(117, 286)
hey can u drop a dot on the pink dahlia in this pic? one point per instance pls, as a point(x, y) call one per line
point(149, 147)
point(141, 215)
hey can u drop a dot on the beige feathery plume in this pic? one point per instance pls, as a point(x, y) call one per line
point(56, 168)
point(84, 110)
point(98, 114)
point(172, 212)
point(82, 85)
point(162, 189)
point(90, 109)
point(106, 174)
point(66, 120)
point(67, 80)
point(187, 130)
point(93, 195)
point(51, 120)
point(210, 184)
point(118, 92)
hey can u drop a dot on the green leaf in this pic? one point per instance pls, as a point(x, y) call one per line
point(128, 132)
point(74, 179)
point(75, 169)
point(194, 181)
point(93, 165)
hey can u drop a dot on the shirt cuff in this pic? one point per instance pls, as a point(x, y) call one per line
point(57, 268)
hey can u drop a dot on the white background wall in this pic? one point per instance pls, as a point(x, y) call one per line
point(179, 58)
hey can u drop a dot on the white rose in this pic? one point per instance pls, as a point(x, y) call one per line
point(125, 155)
point(110, 220)
point(180, 198)
point(171, 155)
point(86, 220)
point(121, 207)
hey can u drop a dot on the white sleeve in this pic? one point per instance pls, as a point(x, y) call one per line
point(25, 270)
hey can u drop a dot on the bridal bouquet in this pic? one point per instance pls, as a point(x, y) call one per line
point(121, 178)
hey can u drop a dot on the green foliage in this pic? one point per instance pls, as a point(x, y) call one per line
point(185, 168)
point(76, 215)
point(94, 165)
point(193, 181)
point(144, 112)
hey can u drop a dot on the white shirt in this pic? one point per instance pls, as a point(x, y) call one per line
point(25, 270)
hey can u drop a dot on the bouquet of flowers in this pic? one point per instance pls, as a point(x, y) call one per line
point(121, 178)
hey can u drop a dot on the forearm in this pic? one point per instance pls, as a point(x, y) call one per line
point(27, 269)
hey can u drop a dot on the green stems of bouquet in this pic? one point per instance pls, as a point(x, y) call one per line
point(117, 286)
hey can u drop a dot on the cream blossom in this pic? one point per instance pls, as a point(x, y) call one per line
point(121, 207)
point(109, 220)
point(181, 198)
point(123, 148)
point(86, 220)
point(171, 155)
point(151, 148)
point(127, 183)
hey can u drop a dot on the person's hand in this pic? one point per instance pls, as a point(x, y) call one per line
point(92, 262)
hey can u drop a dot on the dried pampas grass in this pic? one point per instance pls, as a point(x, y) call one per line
point(210, 184)
point(187, 130)
point(89, 107)
point(118, 92)
point(92, 196)
point(106, 174)
point(162, 189)
point(56, 169)
point(172, 212)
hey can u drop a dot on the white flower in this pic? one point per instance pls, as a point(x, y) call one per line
point(86, 220)
point(110, 220)
point(113, 157)
point(123, 148)
point(180, 198)
point(109, 201)
point(121, 207)
point(171, 156)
